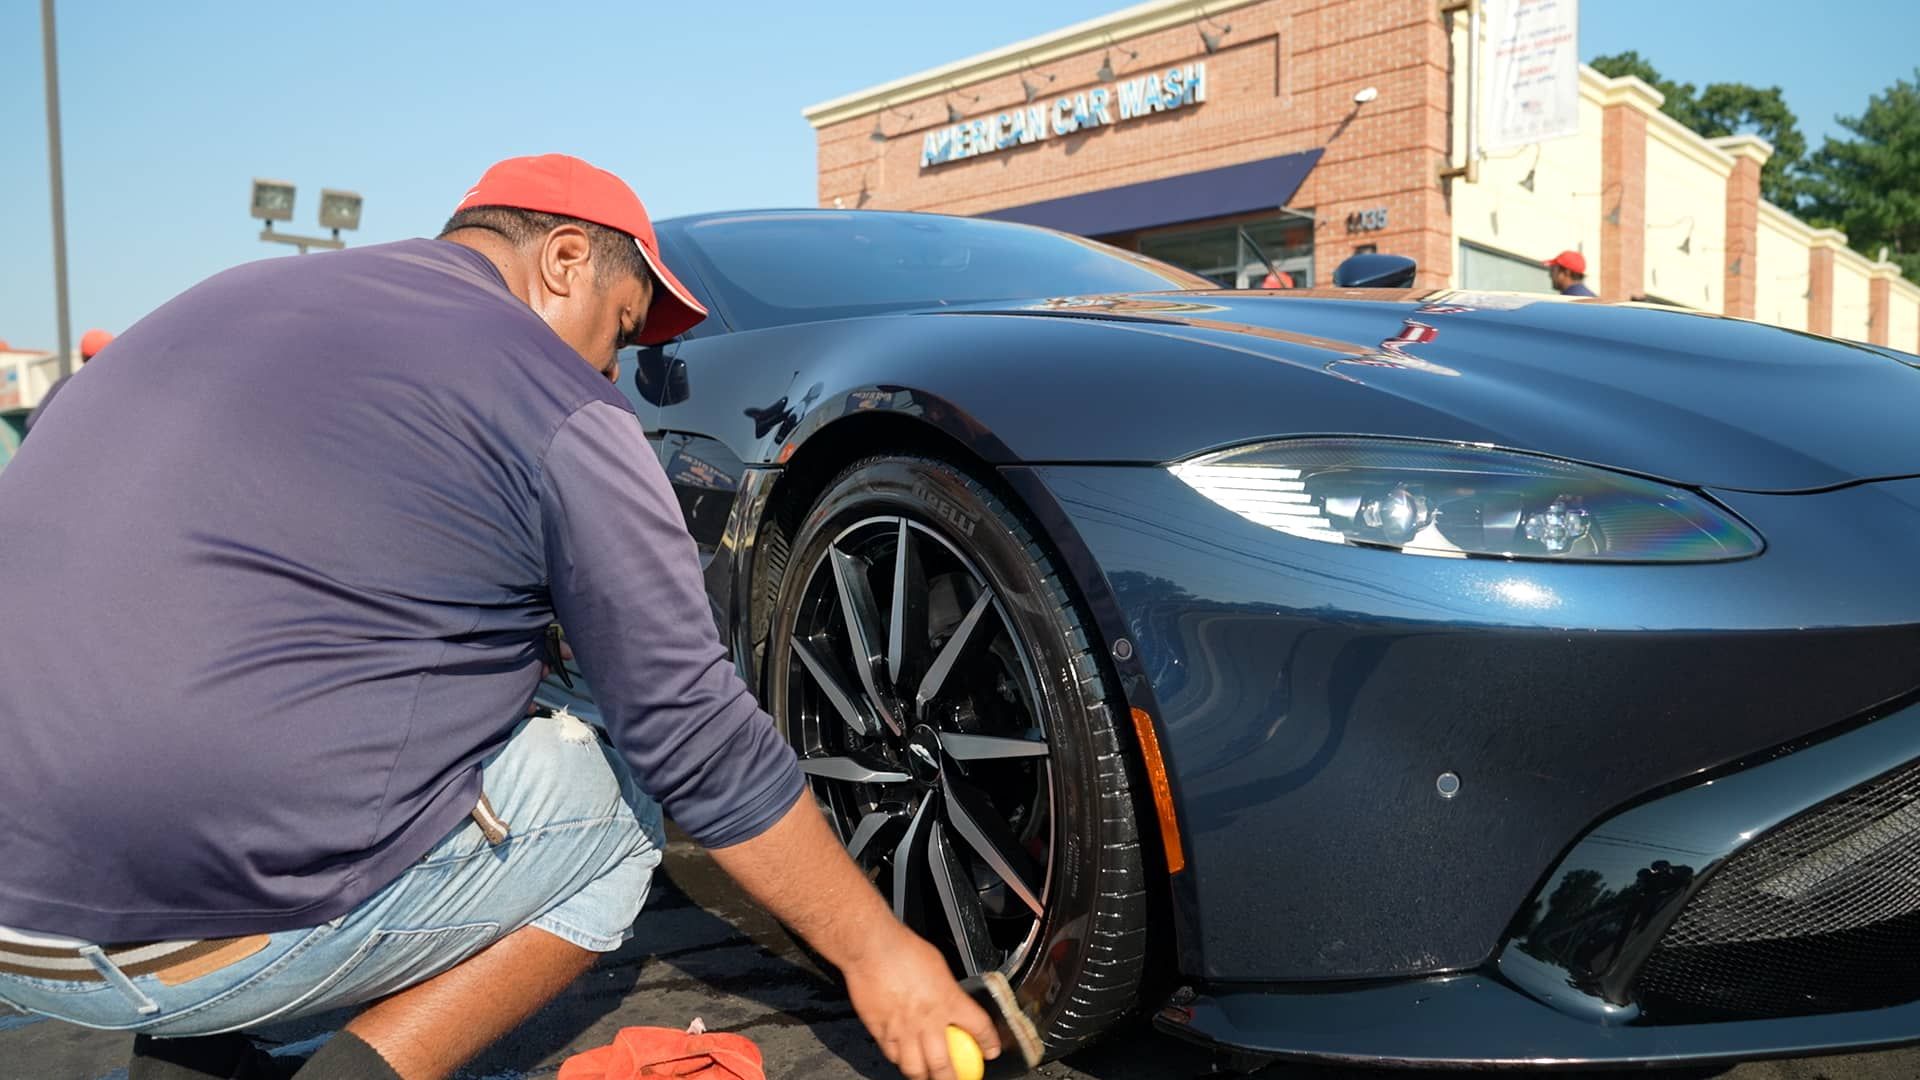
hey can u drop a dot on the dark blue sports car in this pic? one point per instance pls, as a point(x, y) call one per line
point(1360, 674)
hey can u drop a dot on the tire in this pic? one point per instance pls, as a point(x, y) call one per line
point(1068, 922)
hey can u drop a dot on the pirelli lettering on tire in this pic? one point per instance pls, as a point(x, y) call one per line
point(946, 509)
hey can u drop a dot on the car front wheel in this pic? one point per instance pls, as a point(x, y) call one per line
point(930, 668)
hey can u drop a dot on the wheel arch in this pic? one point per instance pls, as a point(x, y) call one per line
point(811, 466)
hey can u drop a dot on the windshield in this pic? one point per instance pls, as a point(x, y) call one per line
point(778, 268)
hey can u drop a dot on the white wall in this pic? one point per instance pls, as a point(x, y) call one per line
point(1850, 295)
point(1903, 317)
point(1780, 293)
point(1561, 213)
point(1686, 195)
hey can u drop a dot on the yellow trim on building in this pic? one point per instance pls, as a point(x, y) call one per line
point(1678, 136)
point(1855, 261)
point(1633, 91)
point(1593, 85)
point(1828, 238)
point(1744, 146)
point(1901, 286)
point(1798, 230)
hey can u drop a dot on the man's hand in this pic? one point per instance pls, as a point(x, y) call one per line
point(906, 998)
point(900, 985)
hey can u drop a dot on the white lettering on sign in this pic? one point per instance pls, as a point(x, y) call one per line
point(1101, 106)
point(1178, 88)
point(1062, 119)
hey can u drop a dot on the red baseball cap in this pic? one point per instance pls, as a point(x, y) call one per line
point(559, 184)
point(92, 342)
point(1571, 261)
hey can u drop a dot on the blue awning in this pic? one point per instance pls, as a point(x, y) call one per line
point(1233, 189)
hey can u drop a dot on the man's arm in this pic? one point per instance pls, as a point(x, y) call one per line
point(899, 984)
point(625, 579)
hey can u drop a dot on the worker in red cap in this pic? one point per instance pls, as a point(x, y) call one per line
point(91, 343)
point(1568, 272)
point(300, 623)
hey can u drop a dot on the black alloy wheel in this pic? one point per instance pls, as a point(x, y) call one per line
point(931, 672)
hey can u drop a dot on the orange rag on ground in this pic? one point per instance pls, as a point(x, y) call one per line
point(651, 1051)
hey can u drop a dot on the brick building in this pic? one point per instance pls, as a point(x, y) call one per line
point(1222, 135)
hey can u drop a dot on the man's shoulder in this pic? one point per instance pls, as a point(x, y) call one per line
point(333, 284)
point(418, 258)
point(488, 327)
point(427, 314)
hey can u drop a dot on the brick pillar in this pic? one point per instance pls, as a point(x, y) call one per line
point(1743, 221)
point(1623, 187)
point(1358, 171)
point(1879, 295)
point(1820, 279)
point(1880, 306)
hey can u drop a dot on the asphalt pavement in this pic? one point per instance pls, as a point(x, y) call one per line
point(700, 950)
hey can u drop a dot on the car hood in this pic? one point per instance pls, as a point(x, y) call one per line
point(1691, 398)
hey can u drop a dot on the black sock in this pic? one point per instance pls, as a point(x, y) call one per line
point(345, 1057)
point(222, 1057)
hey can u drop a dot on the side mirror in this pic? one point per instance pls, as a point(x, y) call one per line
point(659, 375)
point(1376, 271)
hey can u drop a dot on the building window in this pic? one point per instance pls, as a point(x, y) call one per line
point(1485, 269)
point(1230, 254)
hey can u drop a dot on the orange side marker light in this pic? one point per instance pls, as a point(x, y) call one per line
point(1162, 791)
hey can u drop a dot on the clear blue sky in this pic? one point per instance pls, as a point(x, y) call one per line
point(171, 109)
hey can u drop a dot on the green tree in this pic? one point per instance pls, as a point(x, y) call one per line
point(1869, 185)
point(1728, 109)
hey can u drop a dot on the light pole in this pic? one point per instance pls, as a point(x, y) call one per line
point(273, 201)
point(52, 68)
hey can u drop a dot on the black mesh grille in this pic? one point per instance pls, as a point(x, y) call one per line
point(1821, 915)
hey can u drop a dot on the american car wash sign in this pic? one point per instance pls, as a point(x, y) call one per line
point(1102, 106)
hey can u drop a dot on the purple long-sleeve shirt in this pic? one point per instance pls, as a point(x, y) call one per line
point(46, 399)
point(273, 580)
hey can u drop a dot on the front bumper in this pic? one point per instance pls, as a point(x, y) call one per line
point(1565, 988)
point(1312, 699)
point(1479, 1021)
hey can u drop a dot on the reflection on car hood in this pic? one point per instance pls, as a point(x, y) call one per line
point(1693, 398)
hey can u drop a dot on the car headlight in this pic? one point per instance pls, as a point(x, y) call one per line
point(1450, 500)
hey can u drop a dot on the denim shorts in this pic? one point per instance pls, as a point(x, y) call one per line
point(577, 862)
